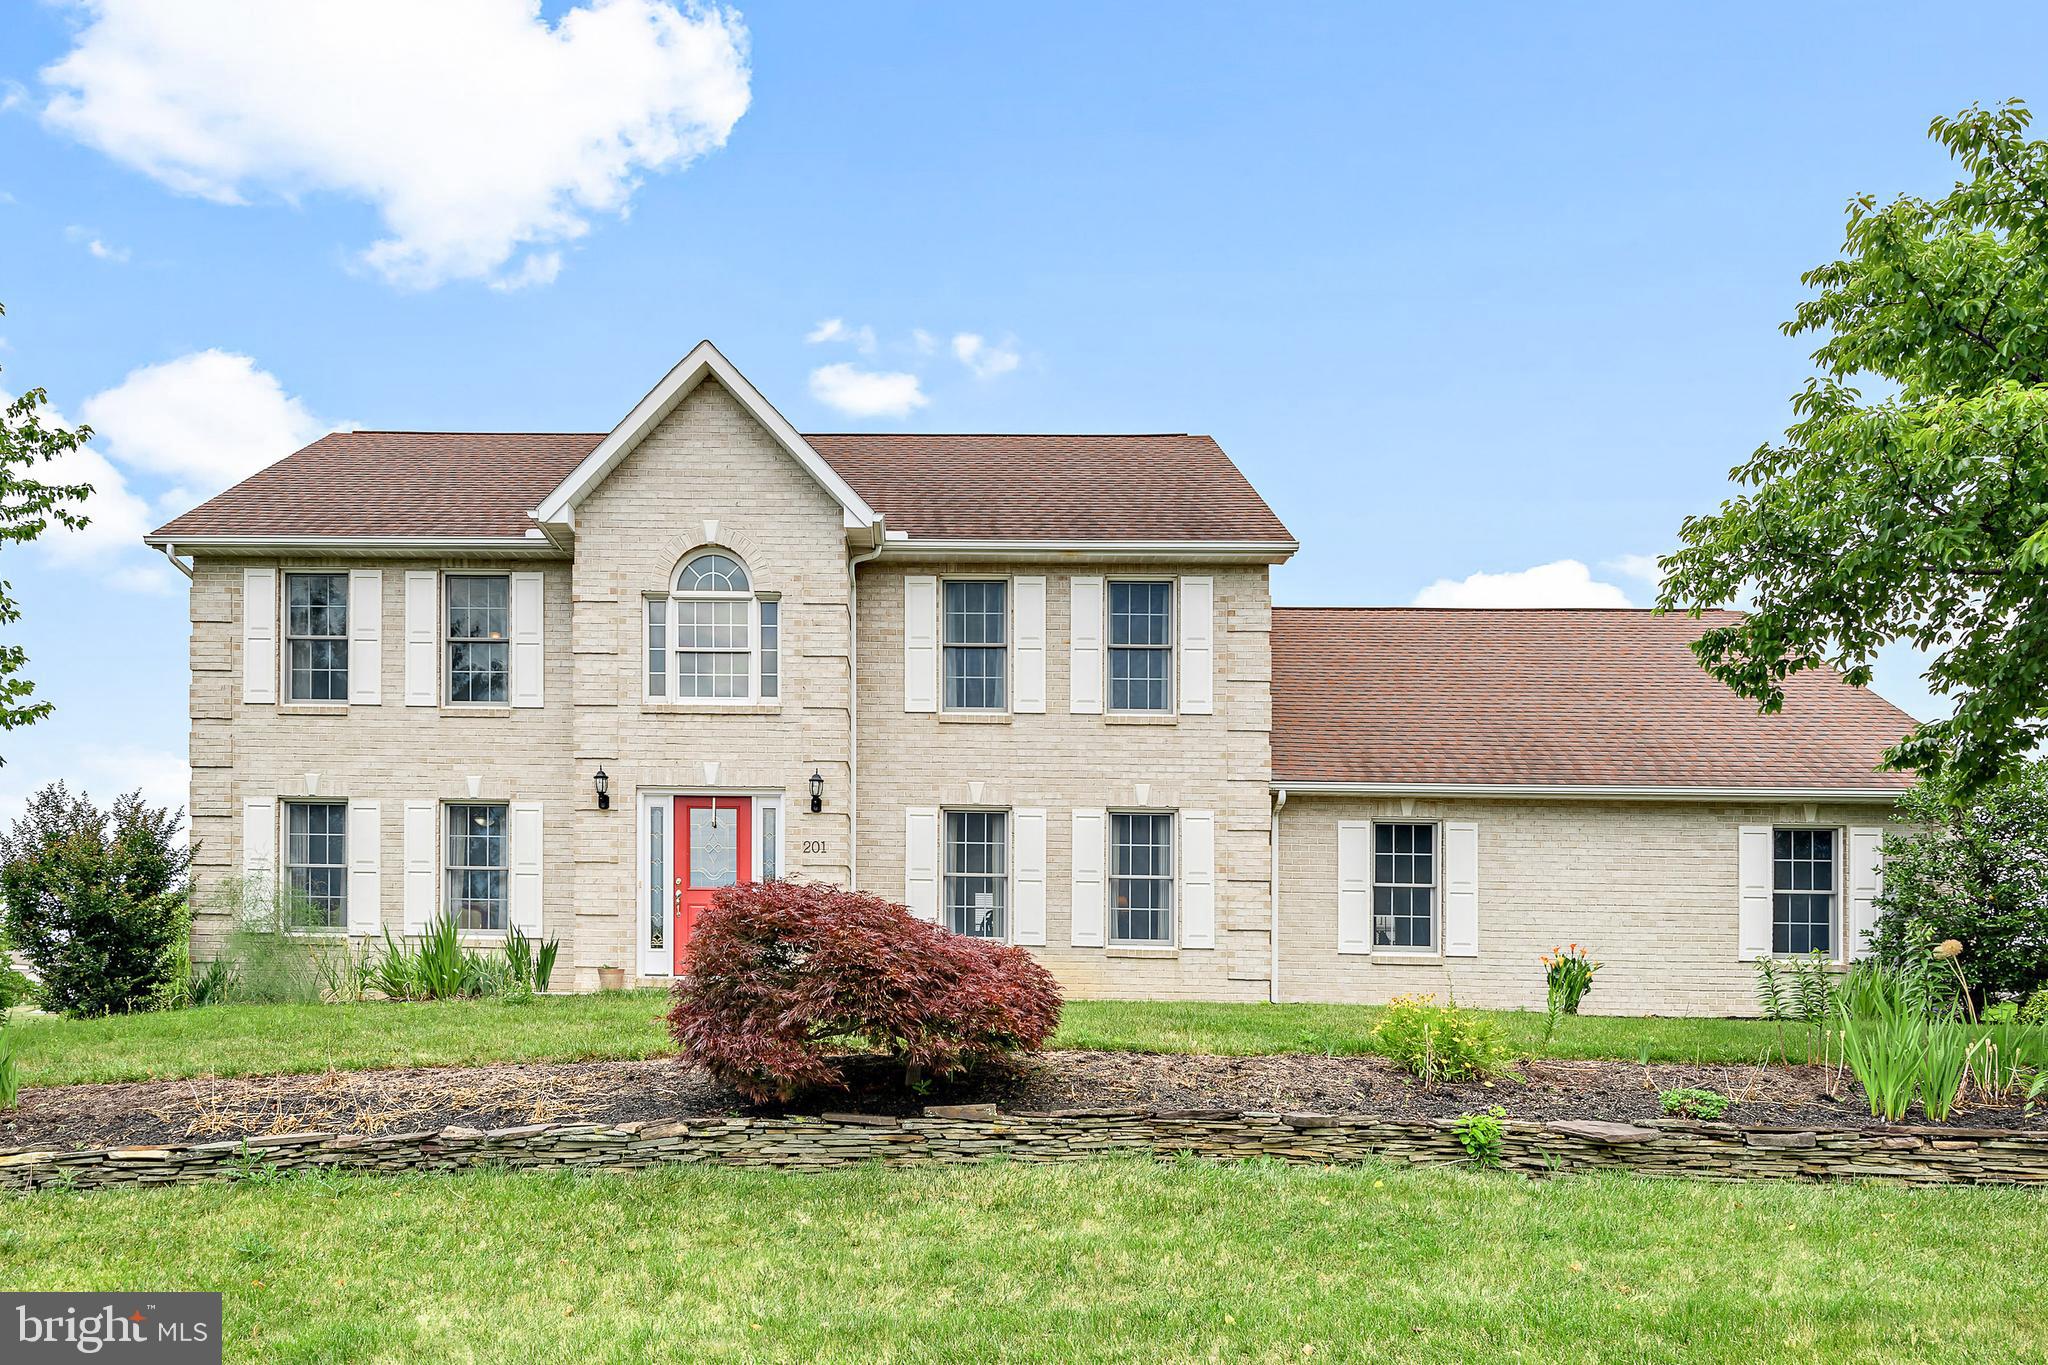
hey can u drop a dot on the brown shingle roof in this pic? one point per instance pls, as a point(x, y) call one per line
point(1551, 698)
point(441, 483)
point(1167, 487)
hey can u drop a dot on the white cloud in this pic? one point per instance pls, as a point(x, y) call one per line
point(1565, 583)
point(867, 393)
point(207, 419)
point(835, 329)
point(106, 771)
point(1642, 568)
point(95, 245)
point(984, 360)
point(923, 342)
point(483, 135)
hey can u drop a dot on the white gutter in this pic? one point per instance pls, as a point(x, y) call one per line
point(853, 707)
point(170, 552)
point(1587, 793)
point(1273, 970)
point(536, 544)
point(1253, 551)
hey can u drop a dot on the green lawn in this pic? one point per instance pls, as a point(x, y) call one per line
point(1110, 1260)
point(240, 1040)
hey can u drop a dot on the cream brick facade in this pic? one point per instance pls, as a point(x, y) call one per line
point(1651, 885)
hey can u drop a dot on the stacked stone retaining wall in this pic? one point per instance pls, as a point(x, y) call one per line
point(960, 1135)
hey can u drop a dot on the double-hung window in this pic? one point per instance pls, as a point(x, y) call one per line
point(477, 866)
point(1141, 878)
point(977, 873)
point(1140, 646)
point(711, 638)
point(977, 635)
point(316, 631)
point(479, 628)
point(1404, 879)
point(1805, 881)
point(316, 864)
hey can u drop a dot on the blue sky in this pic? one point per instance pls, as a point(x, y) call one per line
point(1465, 291)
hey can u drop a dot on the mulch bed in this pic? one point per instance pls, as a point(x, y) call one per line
point(155, 1112)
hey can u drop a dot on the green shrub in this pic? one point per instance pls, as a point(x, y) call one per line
point(95, 899)
point(1693, 1103)
point(1481, 1134)
point(2035, 1011)
point(2004, 1012)
point(439, 966)
point(264, 960)
point(1438, 1042)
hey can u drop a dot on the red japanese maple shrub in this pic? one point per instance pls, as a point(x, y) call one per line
point(781, 975)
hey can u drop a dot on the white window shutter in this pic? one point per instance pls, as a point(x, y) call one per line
point(259, 852)
point(920, 643)
point(1084, 667)
point(1197, 646)
point(422, 867)
point(1866, 879)
point(1354, 886)
point(259, 635)
point(1089, 851)
point(523, 904)
point(365, 868)
point(1461, 888)
point(1753, 881)
point(422, 645)
point(1198, 879)
point(526, 641)
point(1028, 926)
point(921, 861)
point(366, 637)
point(1030, 623)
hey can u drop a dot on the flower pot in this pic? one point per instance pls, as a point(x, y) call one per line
point(611, 978)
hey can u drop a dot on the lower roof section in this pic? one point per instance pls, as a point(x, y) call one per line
point(1557, 702)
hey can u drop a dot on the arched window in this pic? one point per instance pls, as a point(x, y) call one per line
point(712, 638)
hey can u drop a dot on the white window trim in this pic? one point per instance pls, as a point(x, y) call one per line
point(1109, 877)
point(442, 905)
point(1009, 878)
point(1009, 646)
point(754, 597)
point(444, 672)
point(284, 863)
point(660, 961)
point(1838, 913)
point(283, 608)
point(1436, 892)
point(1172, 648)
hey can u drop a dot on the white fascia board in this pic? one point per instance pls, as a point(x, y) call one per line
point(704, 359)
point(1588, 793)
point(534, 545)
point(1251, 551)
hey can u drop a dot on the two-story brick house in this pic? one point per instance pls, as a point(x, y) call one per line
point(1033, 686)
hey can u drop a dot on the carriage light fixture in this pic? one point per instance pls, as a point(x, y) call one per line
point(817, 791)
point(604, 791)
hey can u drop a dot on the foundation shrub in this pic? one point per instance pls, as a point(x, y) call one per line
point(1438, 1042)
point(782, 977)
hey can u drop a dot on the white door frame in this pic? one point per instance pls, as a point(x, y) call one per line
point(767, 849)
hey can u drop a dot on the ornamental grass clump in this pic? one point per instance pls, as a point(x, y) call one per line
point(783, 977)
point(1438, 1042)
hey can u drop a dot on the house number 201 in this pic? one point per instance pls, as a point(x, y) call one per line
point(814, 845)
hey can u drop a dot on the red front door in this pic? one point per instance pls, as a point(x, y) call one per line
point(714, 849)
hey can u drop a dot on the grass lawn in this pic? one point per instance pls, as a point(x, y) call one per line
point(239, 1040)
point(1109, 1260)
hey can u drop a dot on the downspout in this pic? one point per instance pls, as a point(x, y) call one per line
point(1273, 970)
point(170, 552)
point(853, 705)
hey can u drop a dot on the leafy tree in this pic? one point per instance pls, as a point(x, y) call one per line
point(1921, 513)
point(1973, 869)
point(95, 899)
point(27, 506)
